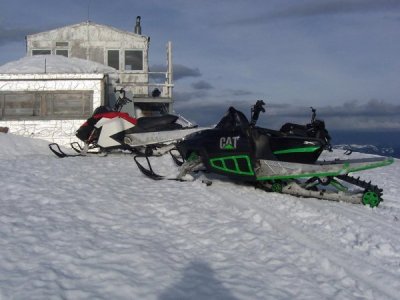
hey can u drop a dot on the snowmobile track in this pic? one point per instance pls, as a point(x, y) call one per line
point(350, 210)
point(332, 253)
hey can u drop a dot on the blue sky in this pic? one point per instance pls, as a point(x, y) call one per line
point(341, 56)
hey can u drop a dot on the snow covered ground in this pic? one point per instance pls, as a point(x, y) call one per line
point(95, 228)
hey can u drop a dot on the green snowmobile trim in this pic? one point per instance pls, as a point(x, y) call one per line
point(338, 186)
point(229, 147)
point(297, 150)
point(345, 169)
point(371, 198)
point(220, 163)
point(277, 187)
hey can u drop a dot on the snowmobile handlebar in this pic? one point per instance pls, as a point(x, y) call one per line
point(122, 100)
point(255, 111)
point(313, 115)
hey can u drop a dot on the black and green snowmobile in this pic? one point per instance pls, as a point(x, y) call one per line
point(284, 161)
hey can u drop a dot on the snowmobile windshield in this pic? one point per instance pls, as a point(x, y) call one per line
point(101, 110)
point(233, 119)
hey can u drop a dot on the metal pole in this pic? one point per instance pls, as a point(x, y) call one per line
point(170, 75)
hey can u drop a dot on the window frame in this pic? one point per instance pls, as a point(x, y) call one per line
point(62, 44)
point(43, 107)
point(33, 50)
point(57, 50)
point(142, 60)
point(119, 58)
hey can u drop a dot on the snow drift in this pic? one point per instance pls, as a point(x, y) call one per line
point(95, 228)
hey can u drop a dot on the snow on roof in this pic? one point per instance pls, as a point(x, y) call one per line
point(90, 23)
point(54, 64)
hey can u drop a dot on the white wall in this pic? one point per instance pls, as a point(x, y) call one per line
point(59, 131)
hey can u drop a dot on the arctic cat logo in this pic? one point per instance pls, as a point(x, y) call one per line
point(228, 143)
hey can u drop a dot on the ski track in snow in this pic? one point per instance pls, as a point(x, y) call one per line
point(96, 228)
point(330, 254)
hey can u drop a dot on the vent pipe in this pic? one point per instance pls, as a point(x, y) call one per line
point(138, 28)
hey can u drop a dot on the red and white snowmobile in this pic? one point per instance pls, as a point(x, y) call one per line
point(108, 129)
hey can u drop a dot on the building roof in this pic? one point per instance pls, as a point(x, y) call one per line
point(54, 64)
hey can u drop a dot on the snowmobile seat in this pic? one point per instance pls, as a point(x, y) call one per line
point(294, 129)
point(156, 122)
point(270, 132)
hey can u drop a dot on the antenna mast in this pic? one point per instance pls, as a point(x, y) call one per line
point(88, 11)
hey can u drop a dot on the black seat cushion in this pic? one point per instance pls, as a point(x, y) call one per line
point(155, 122)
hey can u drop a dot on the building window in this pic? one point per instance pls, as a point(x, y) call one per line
point(19, 105)
point(71, 104)
point(41, 52)
point(62, 44)
point(62, 52)
point(46, 105)
point(113, 59)
point(133, 60)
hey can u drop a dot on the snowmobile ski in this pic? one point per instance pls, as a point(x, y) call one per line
point(147, 171)
point(55, 148)
point(187, 167)
point(81, 151)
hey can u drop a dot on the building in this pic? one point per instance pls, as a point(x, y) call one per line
point(31, 97)
point(50, 105)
